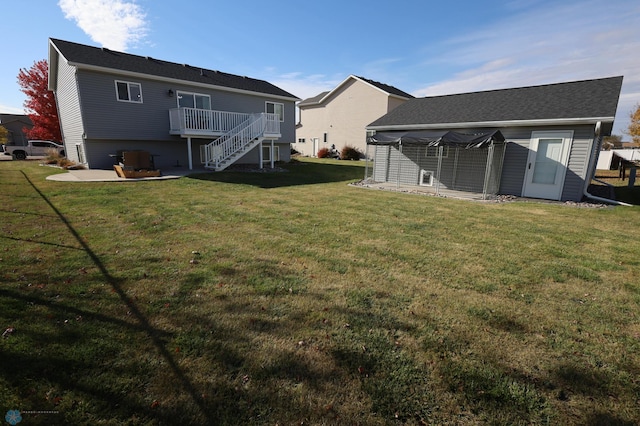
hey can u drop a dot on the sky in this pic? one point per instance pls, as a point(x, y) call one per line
point(423, 47)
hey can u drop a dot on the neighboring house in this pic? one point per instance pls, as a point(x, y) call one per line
point(338, 117)
point(109, 102)
point(553, 134)
point(15, 125)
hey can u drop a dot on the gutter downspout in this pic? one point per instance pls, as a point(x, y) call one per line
point(592, 170)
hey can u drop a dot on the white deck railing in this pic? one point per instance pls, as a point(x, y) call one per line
point(193, 121)
point(256, 126)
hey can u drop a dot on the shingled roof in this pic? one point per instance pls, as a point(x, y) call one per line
point(389, 89)
point(315, 100)
point(82, 55)
point(578, 101)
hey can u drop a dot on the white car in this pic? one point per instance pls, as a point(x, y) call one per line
point(33, 149)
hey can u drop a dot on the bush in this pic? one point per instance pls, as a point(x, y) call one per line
point(54, 158)
point(323, 153)
point(350, 153)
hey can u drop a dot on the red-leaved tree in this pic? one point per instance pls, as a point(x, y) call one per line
point(41, 103)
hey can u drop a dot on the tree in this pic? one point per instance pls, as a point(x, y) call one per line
point(4, 135)
point(634, 126)
point(611, 142)
point(41, 103)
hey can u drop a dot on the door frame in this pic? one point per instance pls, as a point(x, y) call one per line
point(547, 191)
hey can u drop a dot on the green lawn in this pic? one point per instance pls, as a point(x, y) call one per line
point(293, 298)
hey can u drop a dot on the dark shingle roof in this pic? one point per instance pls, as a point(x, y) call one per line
point(313, 100)
point(8, 118)
point(384, 87)
point(389, 89)
point(106, 58)
point(573, 100)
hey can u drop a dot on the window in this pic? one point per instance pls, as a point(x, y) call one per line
point(129, 92)
point(326, 137)
point(80, 153)
point(266, 153)
point(301, 140)
point(432, 151)
point(275, 108)
point(194, 100)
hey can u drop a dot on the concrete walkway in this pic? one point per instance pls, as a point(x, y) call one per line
point(96, 175)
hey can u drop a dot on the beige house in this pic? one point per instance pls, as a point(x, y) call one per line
point(338, 117)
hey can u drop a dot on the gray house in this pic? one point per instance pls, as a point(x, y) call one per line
point(15, 125)
point(538, 141)
point(183, 115)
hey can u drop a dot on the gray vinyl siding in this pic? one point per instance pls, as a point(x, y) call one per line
point(515, 162)
point(577, 169)
point(167, 154)
point(381, 163)
point(514, 165)
point(107, 118)
point(69, 110)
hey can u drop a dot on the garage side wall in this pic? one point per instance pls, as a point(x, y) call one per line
point(515, 162)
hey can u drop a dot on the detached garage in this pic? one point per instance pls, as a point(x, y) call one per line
point(538, 141)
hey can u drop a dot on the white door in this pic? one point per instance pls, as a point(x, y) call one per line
point(547, 164)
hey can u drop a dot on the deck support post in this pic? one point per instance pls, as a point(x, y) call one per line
point(189, 152)
point(272, 151)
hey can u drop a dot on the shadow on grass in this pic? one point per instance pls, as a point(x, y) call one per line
point(61, 366)
point(629, 195)
point(296, 173)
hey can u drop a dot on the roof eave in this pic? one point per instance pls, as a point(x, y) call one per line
point(356, 78)
point(506, 123)
point(54, 54)
point(177, 80)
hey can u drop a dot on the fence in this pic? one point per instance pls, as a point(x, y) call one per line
point(442, 170)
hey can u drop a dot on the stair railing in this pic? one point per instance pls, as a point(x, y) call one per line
point(235, 140)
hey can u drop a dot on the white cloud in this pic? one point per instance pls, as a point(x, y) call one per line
point(306, 86)
point(115, 24)
point(547, 44)
point(6, 109)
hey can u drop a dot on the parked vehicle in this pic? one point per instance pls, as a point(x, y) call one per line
point(33, 148)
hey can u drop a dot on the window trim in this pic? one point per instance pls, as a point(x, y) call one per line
point(266, 109)
point(129, 84)
point(445, 152)
point(180, 93)
point(276, 149)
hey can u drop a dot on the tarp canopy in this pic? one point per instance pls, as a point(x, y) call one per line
point(450, 138)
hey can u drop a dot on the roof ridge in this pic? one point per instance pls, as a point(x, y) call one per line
point(534, 86)
point(163, 68)
point(384, 86)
